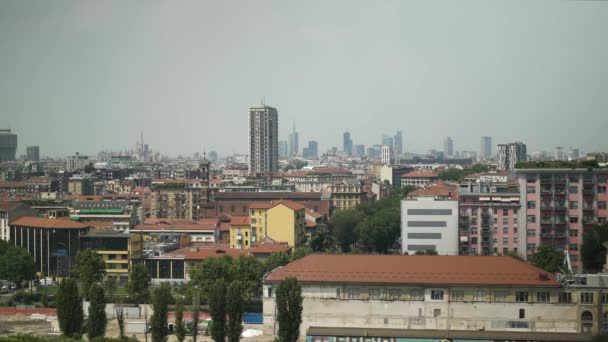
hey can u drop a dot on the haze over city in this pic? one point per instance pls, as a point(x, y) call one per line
point(88, 76)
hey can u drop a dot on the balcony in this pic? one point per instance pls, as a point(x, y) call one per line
point(559, 206)
point(546, 221)
point(588, 191)
point(588, 207)
point(546, 190)
point(559, 180)
point(546, 206)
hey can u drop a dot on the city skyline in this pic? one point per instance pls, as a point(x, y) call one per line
point(90, 86)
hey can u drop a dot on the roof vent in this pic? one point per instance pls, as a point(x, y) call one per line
point(193, 249)
point(543, 276)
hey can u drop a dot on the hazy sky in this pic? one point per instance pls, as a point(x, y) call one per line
point(89, 75)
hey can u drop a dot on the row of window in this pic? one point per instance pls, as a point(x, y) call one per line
point(531, 189)
point(475, 211)
point(571, 178)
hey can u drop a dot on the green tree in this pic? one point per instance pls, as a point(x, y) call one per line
point(139, 281)
point(205, 273)
point(97, 321)
point(69, 308)
point(16, 264)
point(426, 252)
point(300, 253)
point(89, 168)
point(451, 174)
point(275, 260)
point(548, 258)
point(217, 309)
point(322, 241)
point(234, 311)
point(161, 298)
point(88, 268)
point(180, 326)
point(344, 227)
point(289, 309)
point(593, 253)
point(406, 190)
point(249, 271)
point(377, 233)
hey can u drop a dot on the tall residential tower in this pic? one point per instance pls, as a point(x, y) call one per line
point(486, 148)
point(263, 139)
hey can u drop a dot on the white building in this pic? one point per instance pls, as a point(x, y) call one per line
point(76, 162)
point(419, 179)
point(430, 298)
point(511, 154)
point(263, 139)
point(387, 155)
point(429, 223)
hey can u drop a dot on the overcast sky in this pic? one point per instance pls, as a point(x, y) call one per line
point(89, 75)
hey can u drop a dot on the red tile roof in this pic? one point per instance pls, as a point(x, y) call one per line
point(436, 190)
point(264, 247)
point(412, 269)
point(260, 205)
point(38, 222)
point(9, 205)
point(178, 226)
point(289, 204)
point(224, 227)
point(330, 170)
point(240, 221)
point(313, 213)
point(420, 175)
point(310, 223)
point(204, 253)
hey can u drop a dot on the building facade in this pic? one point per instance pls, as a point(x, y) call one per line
point(76, 162)
point(32, 153)
point(418, 179)
point(429, 223)
point(118, 251)
point(312, 151)
point(387, 155)
point(558, 206)
point(8, 145)
point(511, 154)
point(486, 298)
point(448, 147)
point(486, 148)
point(9, 212)
point(347, 144)
point(347, 195)
point(263, 139)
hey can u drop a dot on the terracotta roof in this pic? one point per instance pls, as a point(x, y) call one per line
point(296, 174)
point(289, 204)
point(268, 195)
point(9, 205)
point(420, 175)
point(261, 205)
point(413, 269)
point(177, 226)
point(264, 247)
point(240, 221)
point(436, 190)
point(310, 223)
point(205, 253)
point(313, 213)
point(224, 227)
point(48, 223)
point(330, 170)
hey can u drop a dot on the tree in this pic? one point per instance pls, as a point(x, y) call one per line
point(593, 253)
point(120, 318)
point(69, 308)
point(180, 327)
point(322, 241)
point(196, 302)
point(205, 273)
point(97, 321)
point(16, 264)
point(249, 271)
point(426, 252)
point(139, 281)
point(289, 309)
point(217, 309)
point(88, 268)
point(234, 310)
point(275, 260)
point(405, 190)
point(160, 305)
point(89, 168)
point(343, 225)
point(451, 174)
point(378, 233)
point(548, 258)
point(300, 253)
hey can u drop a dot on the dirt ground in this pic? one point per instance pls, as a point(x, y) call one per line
point(21, 324)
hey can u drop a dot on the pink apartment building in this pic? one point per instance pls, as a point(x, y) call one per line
point(489, 209)
point(558, 205)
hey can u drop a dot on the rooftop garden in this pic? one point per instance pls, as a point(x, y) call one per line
point(558, 164)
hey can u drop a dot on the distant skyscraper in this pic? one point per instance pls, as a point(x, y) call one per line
point(387, 140)
point(359, 151)
point(294, 146)
point(76, 162)
point(560, 153)
point(283, 149)
point(398, 144)
point(448, 147)
point(312, 151)
point(32, 153)
point(347, 144)
point(8, 145)
point(486, 148)
point(263, 139)
point(573, 154)
point(511, 154)
point(387, 155)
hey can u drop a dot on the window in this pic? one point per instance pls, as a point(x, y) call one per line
point(601, 189)
point(601, 219)
point(417, 294)
point(505, 230)
point(474, 211)
point(573, 232)
point(573, 179)
point(338, 293)
point(436, 294)
point(500, 296)
point(374, 293)
point(436, 312)
point(531, 232)
point(586, 297)
point(269, 292)
point(531, 218)
point(354, 293)
point(543, 297)
point(573, 219)
point(531, 189)
point(573, 204)
point(601, 204)
point(495, 220)
point(479, 296)
point(495, 211)
point(531, 204)
point(394, 294)
point(505, 221)
point(573, 189)
point(530, 246)
point(565, 297)
point(457, 295)
point(573, 247)
point(505, 212)
point(514, 219)
point(521, 296)
point(522, 313)
point(604, 298)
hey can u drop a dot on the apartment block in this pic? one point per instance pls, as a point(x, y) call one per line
point(559, 205)
point(347, 195)
point(282, 221)
point(118, 251)
point(418, 179)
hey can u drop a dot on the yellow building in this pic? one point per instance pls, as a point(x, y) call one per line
point(282, 221)
point(347, 195)
point(118, 250)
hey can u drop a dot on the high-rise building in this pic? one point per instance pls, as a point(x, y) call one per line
point(76, 162)
point(294, 146)
point(347, 144)
point(511, 154)
point(263, 139)
point(573, 154)
point(312, 151)
point(448, 147)
point(560, 154)
point(486, 148)
point(398, 144)
point(8, 145)
point(32, 153)
point(387, 155)
point(387, 140)
point(359, 151)
point(283, 149)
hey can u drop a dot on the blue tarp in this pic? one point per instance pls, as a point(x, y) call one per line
point(253, 318)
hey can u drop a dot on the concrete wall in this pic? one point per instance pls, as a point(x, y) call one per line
point(322, 308)
point(443, 239)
